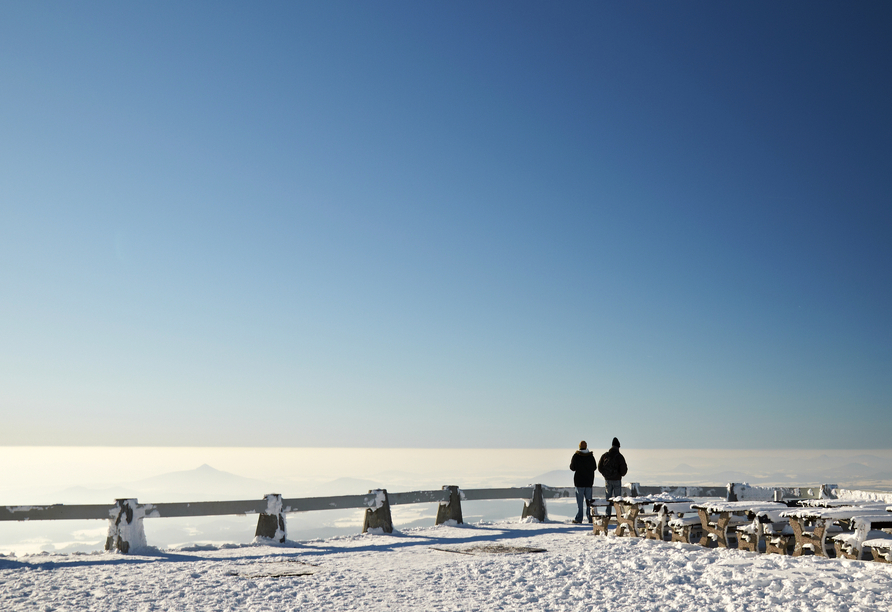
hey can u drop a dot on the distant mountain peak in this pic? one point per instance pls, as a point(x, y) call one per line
point(684, 468)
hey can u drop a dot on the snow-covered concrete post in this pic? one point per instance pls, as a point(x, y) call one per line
point(125, 528)
point(828, 491)
point(535, 507)
point(450, 510)
point(732, 494)
point(633, 488)
point(271, 524)
point(377, 515)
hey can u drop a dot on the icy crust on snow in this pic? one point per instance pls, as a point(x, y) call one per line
point(577, 571)
point(870, 496)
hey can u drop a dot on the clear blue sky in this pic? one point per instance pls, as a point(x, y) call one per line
point(446, 224)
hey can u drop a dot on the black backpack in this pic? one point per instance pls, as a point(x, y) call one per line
point(610, 468)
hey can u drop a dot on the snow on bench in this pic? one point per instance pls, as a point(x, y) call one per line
point(687, 529)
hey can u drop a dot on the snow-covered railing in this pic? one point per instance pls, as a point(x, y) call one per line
point(126, 515)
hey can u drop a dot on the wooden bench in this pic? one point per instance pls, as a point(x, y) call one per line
point(880, 547)
point(779, 539)
point(656, 525)
point(749, 536)
point(866, 528)
point(687, 529)
point(600, 522)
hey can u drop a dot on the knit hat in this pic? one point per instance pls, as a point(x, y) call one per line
point(616, 442)
point(583, 445)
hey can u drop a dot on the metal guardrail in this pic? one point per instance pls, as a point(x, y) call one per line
point(299, 504)
point(126, 515)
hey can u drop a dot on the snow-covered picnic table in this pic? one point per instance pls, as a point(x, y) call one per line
point(629, 509)
point(823, 522)
point(716, 517)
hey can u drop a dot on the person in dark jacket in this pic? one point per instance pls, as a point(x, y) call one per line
point(584, 467)
point(613, 467)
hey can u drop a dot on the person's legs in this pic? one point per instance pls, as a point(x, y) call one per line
point(612, 488)
point(580, 496)
point(587, 493)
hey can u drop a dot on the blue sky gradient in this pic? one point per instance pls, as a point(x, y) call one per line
point(446, 224)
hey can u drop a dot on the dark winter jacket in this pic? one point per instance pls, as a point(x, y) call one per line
point(584, 466)
point(613, 465)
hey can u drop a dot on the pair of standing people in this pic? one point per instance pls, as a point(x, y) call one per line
point(612, 466)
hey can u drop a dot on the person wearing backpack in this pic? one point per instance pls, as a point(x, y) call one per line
point(613, 467)
point(584, 467)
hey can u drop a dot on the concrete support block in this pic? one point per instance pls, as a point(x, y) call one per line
point(828, 491)
point(450, 510)
point(732, 493)
point(535, 507)
point(125, 529)
point(377, 515)
point(632, 489)
point(271, 524)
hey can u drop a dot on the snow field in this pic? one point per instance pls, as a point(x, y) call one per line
point(401, 572)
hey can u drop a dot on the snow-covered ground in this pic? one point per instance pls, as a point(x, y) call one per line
point(404, 571)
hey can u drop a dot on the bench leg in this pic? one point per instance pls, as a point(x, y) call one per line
point(722, 529)
point(626, 520)
point(708, 530)
point(846, 552)
point(801, 536)
point(748, 541)
point(820, 536)
point(779, 544)
point(655, 532)
point(600, 524)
